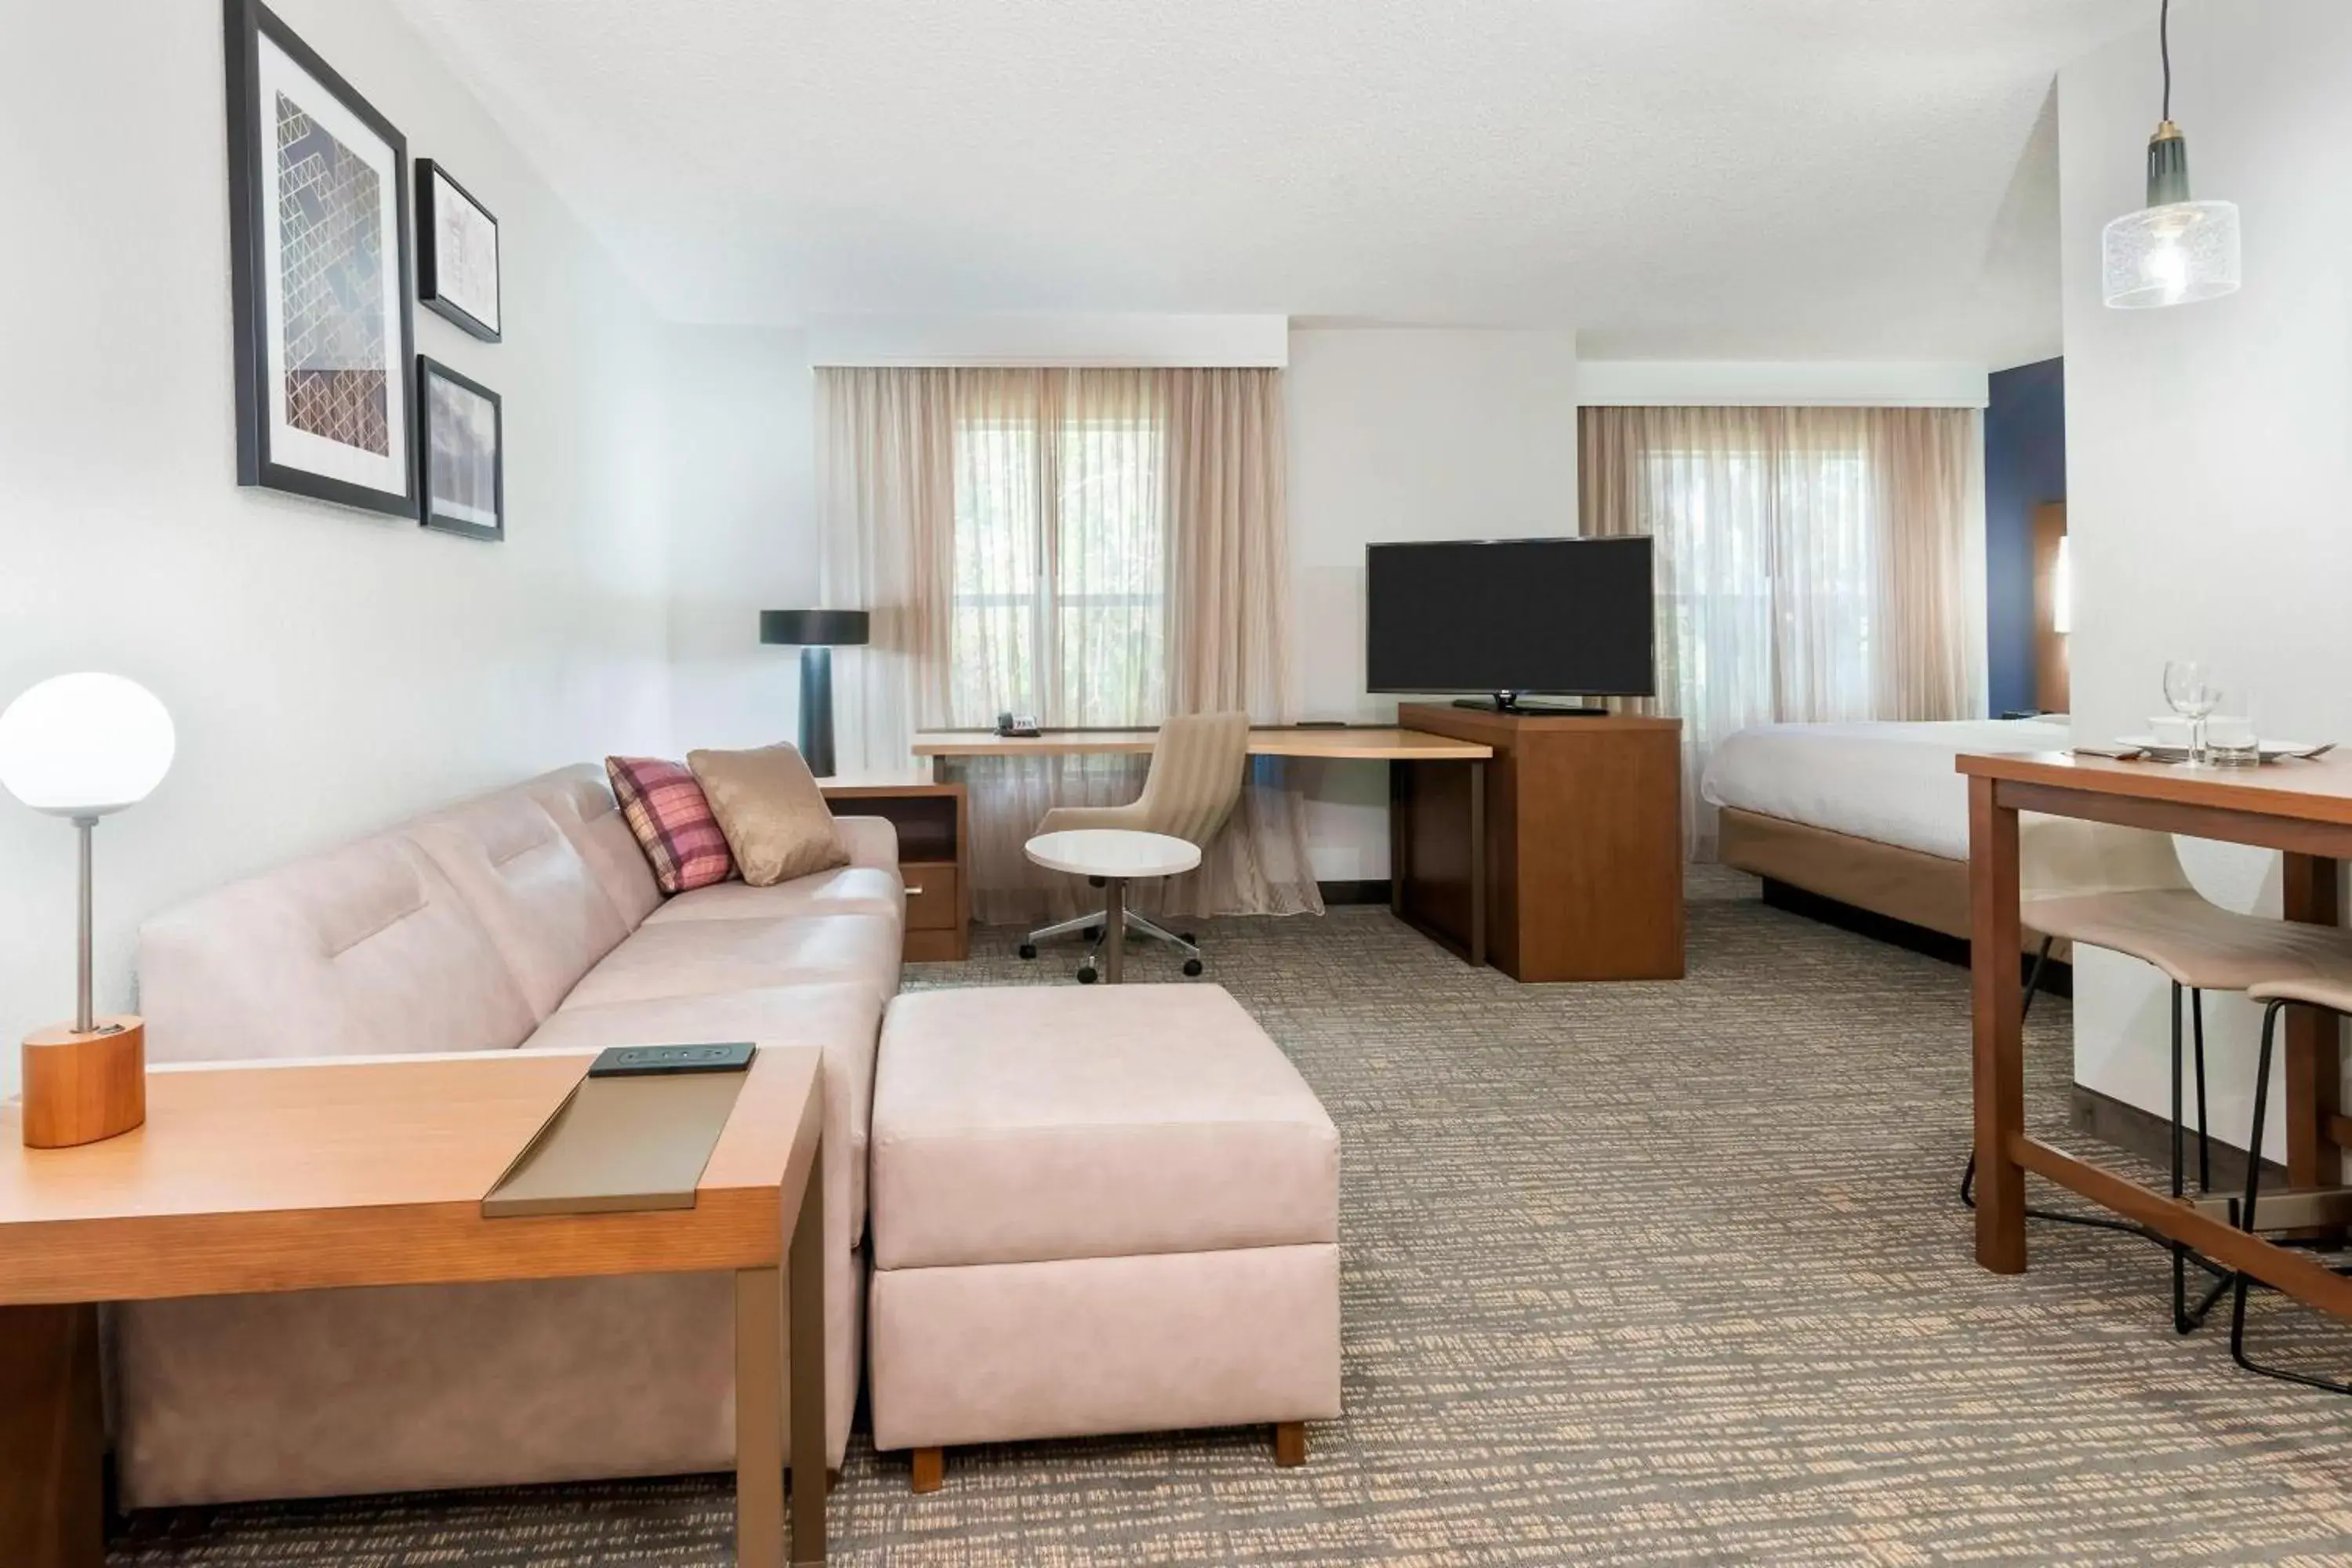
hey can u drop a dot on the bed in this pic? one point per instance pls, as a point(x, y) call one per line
point(1871, 816)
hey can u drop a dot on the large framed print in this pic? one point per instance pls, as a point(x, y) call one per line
point(457, 253)
point(319, 270)
point(461, 431)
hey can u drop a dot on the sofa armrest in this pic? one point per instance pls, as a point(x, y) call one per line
point(870, 840)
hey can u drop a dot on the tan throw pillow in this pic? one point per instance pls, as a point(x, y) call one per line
point(774, 816)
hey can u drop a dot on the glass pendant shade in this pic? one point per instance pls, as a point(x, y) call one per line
point(2171, 255)
point(84, 745)
point(2175, 250)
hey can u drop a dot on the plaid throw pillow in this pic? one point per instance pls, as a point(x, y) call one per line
point(666, 809)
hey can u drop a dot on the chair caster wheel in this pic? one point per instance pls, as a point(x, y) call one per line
point(1094, 933)
point(1028, 950)
point(1085, 974)
point(1192, 966)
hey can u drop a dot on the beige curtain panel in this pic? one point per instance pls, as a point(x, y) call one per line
point(1814, 564)
point(1100, 548)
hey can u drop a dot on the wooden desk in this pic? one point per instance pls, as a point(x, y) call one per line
point(1324, 743)
point(1342, 744)
point(2302, 809)
point(263, 1176)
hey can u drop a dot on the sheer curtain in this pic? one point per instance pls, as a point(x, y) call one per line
point(1814, 564)
point(1097, 547)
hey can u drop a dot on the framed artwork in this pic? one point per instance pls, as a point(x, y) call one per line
point(457, 253)
point(463, 436)
point(318, 268)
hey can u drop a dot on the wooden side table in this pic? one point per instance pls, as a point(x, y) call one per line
point(934, 824)
point(266, 1176)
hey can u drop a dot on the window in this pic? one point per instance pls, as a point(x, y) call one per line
point(1769, 577)
point(1815, 566)
point(1061, 563)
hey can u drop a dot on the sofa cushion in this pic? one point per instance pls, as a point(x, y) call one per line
point(777, 823)
point(850, 890)
point(670, 818)
point(533, 891)
point(695, 958)
point(1015, 1125)
point(363, 951)
point(843, 1019)
point(580, 800)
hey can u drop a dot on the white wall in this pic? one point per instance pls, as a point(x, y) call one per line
point(1399, 434)
point(742, 530)
point(1081, 338)
point(1781, 383)
point(2209, 448)
point(329, 671)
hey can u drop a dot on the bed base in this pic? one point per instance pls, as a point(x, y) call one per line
point(1884, 891)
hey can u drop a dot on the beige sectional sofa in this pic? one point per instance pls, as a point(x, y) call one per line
point(526, 919)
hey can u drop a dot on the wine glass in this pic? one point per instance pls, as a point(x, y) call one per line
point(2194, 692)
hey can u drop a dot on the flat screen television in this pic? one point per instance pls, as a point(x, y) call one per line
point(1510, 615)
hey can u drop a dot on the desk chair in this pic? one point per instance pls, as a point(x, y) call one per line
point(1197, 765)
point(2122, 889)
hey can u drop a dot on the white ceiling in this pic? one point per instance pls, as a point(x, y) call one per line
point(1716, 178)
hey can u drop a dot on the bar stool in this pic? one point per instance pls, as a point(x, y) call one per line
point(2324, 981)
point(2123, 889)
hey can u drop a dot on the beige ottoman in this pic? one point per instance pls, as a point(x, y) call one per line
point(1097, 1209)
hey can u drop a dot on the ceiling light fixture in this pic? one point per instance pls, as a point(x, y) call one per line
point(2174, 250)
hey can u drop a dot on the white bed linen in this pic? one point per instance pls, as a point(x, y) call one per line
point(1892, 783)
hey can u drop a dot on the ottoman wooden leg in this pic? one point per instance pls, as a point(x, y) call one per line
point(930, 1469)
point(1289, 1443)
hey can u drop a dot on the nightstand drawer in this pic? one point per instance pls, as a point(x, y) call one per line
point(931, 903)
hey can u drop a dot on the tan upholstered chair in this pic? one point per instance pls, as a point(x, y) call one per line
point(2123, 889)
point(1197, 764)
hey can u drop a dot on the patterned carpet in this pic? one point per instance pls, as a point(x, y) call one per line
point(1664, 1273)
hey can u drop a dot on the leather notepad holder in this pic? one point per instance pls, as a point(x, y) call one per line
point(619, 1144)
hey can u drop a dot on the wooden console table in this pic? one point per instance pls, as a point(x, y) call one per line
point(268, 1176)
point(2302, 810)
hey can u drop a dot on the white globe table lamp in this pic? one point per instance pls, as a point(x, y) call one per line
point(80, 747)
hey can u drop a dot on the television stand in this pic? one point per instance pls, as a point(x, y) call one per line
point(1514, 702)
point(1584, 843)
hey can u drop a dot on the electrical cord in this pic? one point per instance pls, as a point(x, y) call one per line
point(2164, 47)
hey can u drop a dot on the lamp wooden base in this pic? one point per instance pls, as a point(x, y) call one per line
point(84, 1085)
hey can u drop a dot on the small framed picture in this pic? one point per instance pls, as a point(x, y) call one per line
point(318, 185)
point(457, 253)
point(463, 474)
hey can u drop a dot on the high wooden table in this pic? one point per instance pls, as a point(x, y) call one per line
point(1315, 743)
point(261, 1176)
point(2302, 810)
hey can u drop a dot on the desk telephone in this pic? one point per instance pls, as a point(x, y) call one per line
point(1018, 725)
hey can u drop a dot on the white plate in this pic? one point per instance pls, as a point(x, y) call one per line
point(2272, 750)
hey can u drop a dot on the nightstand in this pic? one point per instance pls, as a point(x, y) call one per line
point(934, 824)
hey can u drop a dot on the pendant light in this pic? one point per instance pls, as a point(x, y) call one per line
point(2174, 250)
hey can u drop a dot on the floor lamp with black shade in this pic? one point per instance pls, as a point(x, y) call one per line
point(816, 633)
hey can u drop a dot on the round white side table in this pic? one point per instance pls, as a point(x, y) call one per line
point(1114, 854)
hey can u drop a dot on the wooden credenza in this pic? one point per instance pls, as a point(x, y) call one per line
point(1583, 841)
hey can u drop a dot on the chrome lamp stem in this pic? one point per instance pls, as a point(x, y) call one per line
point(84, 1016)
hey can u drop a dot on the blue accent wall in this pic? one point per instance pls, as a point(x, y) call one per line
point(2025, 465)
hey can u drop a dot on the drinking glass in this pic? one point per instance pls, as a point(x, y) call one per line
point(2229, 738)
point(2194, 691)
